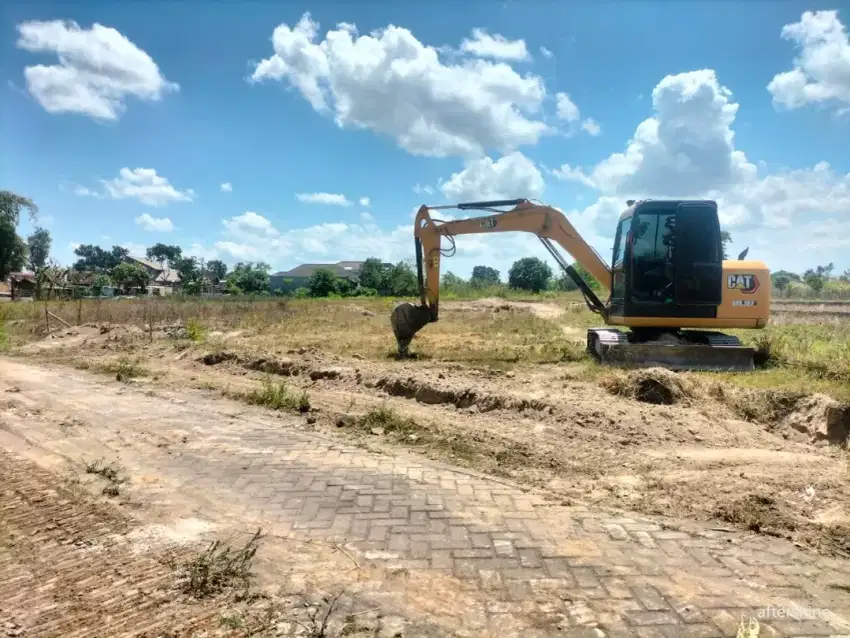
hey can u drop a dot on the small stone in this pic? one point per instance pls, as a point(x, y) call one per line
point(14, 389)
point(510, 375)
point(413, 437)
point(344, 421)
point(377, 431)
point(311, 419)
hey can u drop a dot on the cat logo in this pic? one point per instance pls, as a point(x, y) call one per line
point(747, 284)
point(489, 223)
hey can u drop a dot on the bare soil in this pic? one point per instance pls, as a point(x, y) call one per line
point(652, 442)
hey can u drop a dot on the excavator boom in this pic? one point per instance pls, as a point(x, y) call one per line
point(642, 346)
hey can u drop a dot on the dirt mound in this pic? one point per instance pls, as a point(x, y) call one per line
point(758, 513)
point(821, 418)
point(425, 392)
point(650, 385)
point(810, 418)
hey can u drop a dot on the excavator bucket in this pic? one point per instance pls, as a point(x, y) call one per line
point(407, 319)
point(706, 351)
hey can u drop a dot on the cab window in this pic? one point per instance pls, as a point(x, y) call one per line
point(620, 242)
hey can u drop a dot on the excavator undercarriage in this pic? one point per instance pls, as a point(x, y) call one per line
point(672, 349)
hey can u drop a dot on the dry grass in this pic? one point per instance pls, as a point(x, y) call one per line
point(810, 352)
point(218, 569)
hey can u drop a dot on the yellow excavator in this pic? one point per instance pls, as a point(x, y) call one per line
point(668, 282)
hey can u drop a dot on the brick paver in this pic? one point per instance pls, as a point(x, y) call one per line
point(515, 563)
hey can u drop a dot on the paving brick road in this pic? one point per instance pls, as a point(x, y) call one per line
point(496, 560)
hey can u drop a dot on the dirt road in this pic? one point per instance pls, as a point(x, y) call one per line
point(431, 549)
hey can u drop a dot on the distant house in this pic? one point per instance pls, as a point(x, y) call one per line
point(162, 279)
point(300, 275)
point(22, 284)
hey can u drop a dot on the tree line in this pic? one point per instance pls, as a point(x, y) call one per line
point(111, 267)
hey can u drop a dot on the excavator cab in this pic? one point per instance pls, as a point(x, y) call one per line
point(667, 261)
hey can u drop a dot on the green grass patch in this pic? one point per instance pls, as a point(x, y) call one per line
point(196, 330)
point(123, 368)
point(276, 395)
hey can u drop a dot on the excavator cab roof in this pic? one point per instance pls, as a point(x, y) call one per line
point(634, 206)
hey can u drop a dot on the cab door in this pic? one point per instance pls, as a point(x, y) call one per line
point(697, 255)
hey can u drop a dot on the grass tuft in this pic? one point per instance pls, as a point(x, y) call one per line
point(195, 330)
point(111, 473)
point(277, 396)
point(123, 368)
point(219, 568)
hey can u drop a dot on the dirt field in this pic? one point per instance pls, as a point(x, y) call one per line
point(695, 450)
point(772, 462)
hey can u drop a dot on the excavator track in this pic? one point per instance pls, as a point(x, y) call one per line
point(683, 350)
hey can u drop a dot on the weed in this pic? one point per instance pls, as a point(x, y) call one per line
point(195, 329)
point(123, 368)
point(388, 420)
point(4, 336)
point(219, 568)
point(111, 473)
point(277, 396)
point(319, 617)
point(232, 621)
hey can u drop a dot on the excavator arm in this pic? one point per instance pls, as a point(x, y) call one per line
point(549, 224)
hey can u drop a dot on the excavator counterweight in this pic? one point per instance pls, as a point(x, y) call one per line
point(668, 282)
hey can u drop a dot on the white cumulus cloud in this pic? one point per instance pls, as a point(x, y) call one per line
point(546, 53)
point(226, 187)
point(512, 176)
point(142, 184)
point(686, 149)
point(99, 68)
point(821, 71)
point(484, 45)
point(155, 224)
point(391, 83)
point(332, 199)
point(591, 127)
point(365, 201)
point(566, 108)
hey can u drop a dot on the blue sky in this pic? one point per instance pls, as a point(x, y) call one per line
point(331, 122)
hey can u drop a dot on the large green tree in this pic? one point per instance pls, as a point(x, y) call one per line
point(190, 275)
point(402, 280)
point(250, 277)
point(816, 277)
point(165, 255)
point(38, 248)
point(96, 259)
point(529, 273)
point(374, 274)
point(216, 270)
point(126, 275)
point(484, 276)
point(322, 283)
point(13, 248)
point(38, 251)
